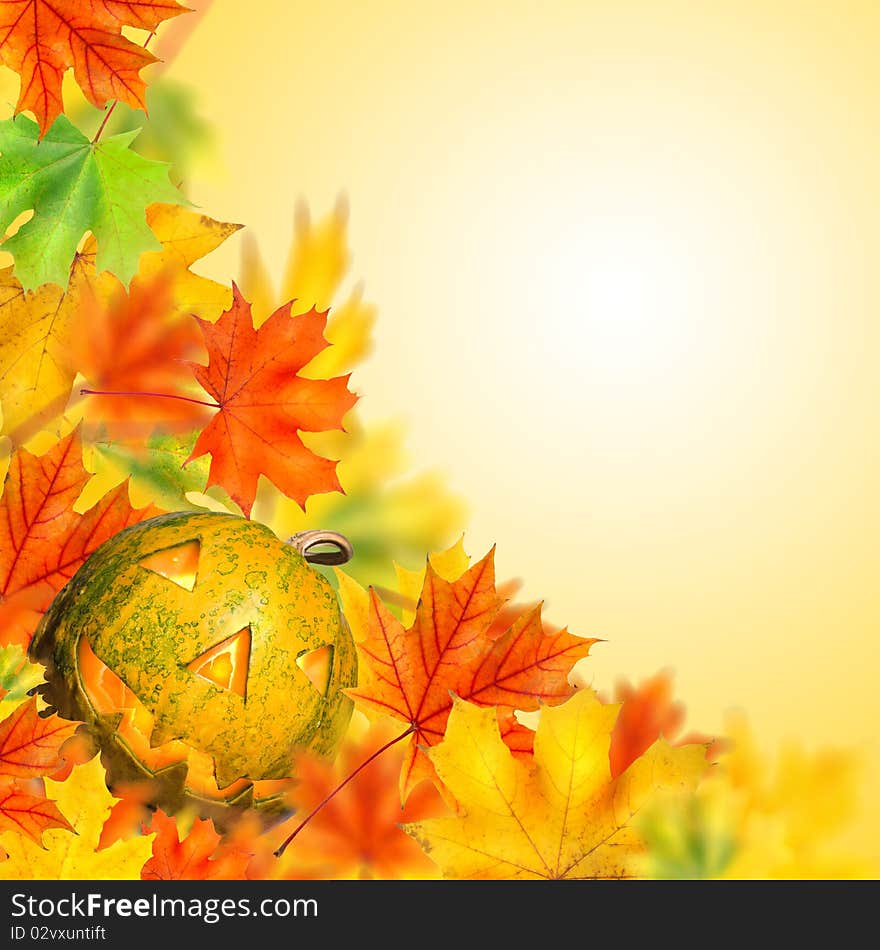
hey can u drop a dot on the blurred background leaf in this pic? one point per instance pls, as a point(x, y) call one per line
point(757, 818)
point(171, 130)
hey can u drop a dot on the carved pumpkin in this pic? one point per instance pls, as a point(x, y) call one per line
point(199, 650)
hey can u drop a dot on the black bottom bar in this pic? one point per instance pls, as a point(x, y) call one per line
point(428, 914)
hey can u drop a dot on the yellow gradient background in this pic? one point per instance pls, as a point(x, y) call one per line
point(625, 256)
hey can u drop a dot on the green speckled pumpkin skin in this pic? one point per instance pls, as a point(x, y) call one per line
point(146, 629)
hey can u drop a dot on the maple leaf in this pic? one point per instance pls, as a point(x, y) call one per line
point(154, 470)
point(136, 342)
point(447, 649)
point(357, 833)
point(36, 333)
point(42, 539)
point(129, 815)
point(185, 237)
point(646, 713)
point(84, 802)
point(174, 131)
point(316, 264)
point(449, 564)
point(264, 403)
point(42, 39)
point(199, 856)
point(72, 186)
point(22, 812)
point(563, 818)
point(17, 676)
point(30, 747)
point(790, 817)
point(29, 744)
point(37, 328)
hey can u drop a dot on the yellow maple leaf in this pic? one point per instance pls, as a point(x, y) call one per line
point(564, 817)
point(786, 815)
point(449, 564)
point(186, 237)
point(36, 371)
point(17, 676)
point(355, 603)
point(35, 335)
point(758, 818)
point(85, 802)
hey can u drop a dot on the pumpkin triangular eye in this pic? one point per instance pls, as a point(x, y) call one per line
point(316, 664)
point(178, 564)
point(226, 664)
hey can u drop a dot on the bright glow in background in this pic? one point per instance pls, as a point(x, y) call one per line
point(626, 261)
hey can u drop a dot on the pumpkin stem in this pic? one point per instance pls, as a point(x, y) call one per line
point(310, 544)
point(283, 847)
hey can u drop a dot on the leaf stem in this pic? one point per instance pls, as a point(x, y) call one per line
point(115, 102)
point(283, 847)
point(100, 392)
point(105, 120)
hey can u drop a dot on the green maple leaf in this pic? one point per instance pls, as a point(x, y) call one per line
point(158, 468)
point(17, 676)
point(72, 186)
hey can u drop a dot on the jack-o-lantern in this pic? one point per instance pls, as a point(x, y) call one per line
point(200, 649)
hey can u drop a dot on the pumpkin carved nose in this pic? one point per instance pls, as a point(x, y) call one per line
point(226, 663)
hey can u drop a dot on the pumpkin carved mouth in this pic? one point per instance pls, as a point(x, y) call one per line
point(226, 664)
point(110, 696)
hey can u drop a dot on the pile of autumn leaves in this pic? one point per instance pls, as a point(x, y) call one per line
point(484, 795)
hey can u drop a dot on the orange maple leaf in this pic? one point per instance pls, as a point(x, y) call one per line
point(30, 747)
point(263, 402)
point(648, 713)
point(42, 39)
point(519, 738)
point(129, 815)
point(200, 856)
point(136, 342)
point(27, 813)
point(42, 539)
point(448, 651)
point(357, 833)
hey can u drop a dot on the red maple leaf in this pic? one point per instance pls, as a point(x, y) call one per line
point(42, 539)
point(42, 39)
point(200, 856)
point(454, 647)
point(647, 712)
point(30, 747)
point(263, 403)
point(137, 341)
